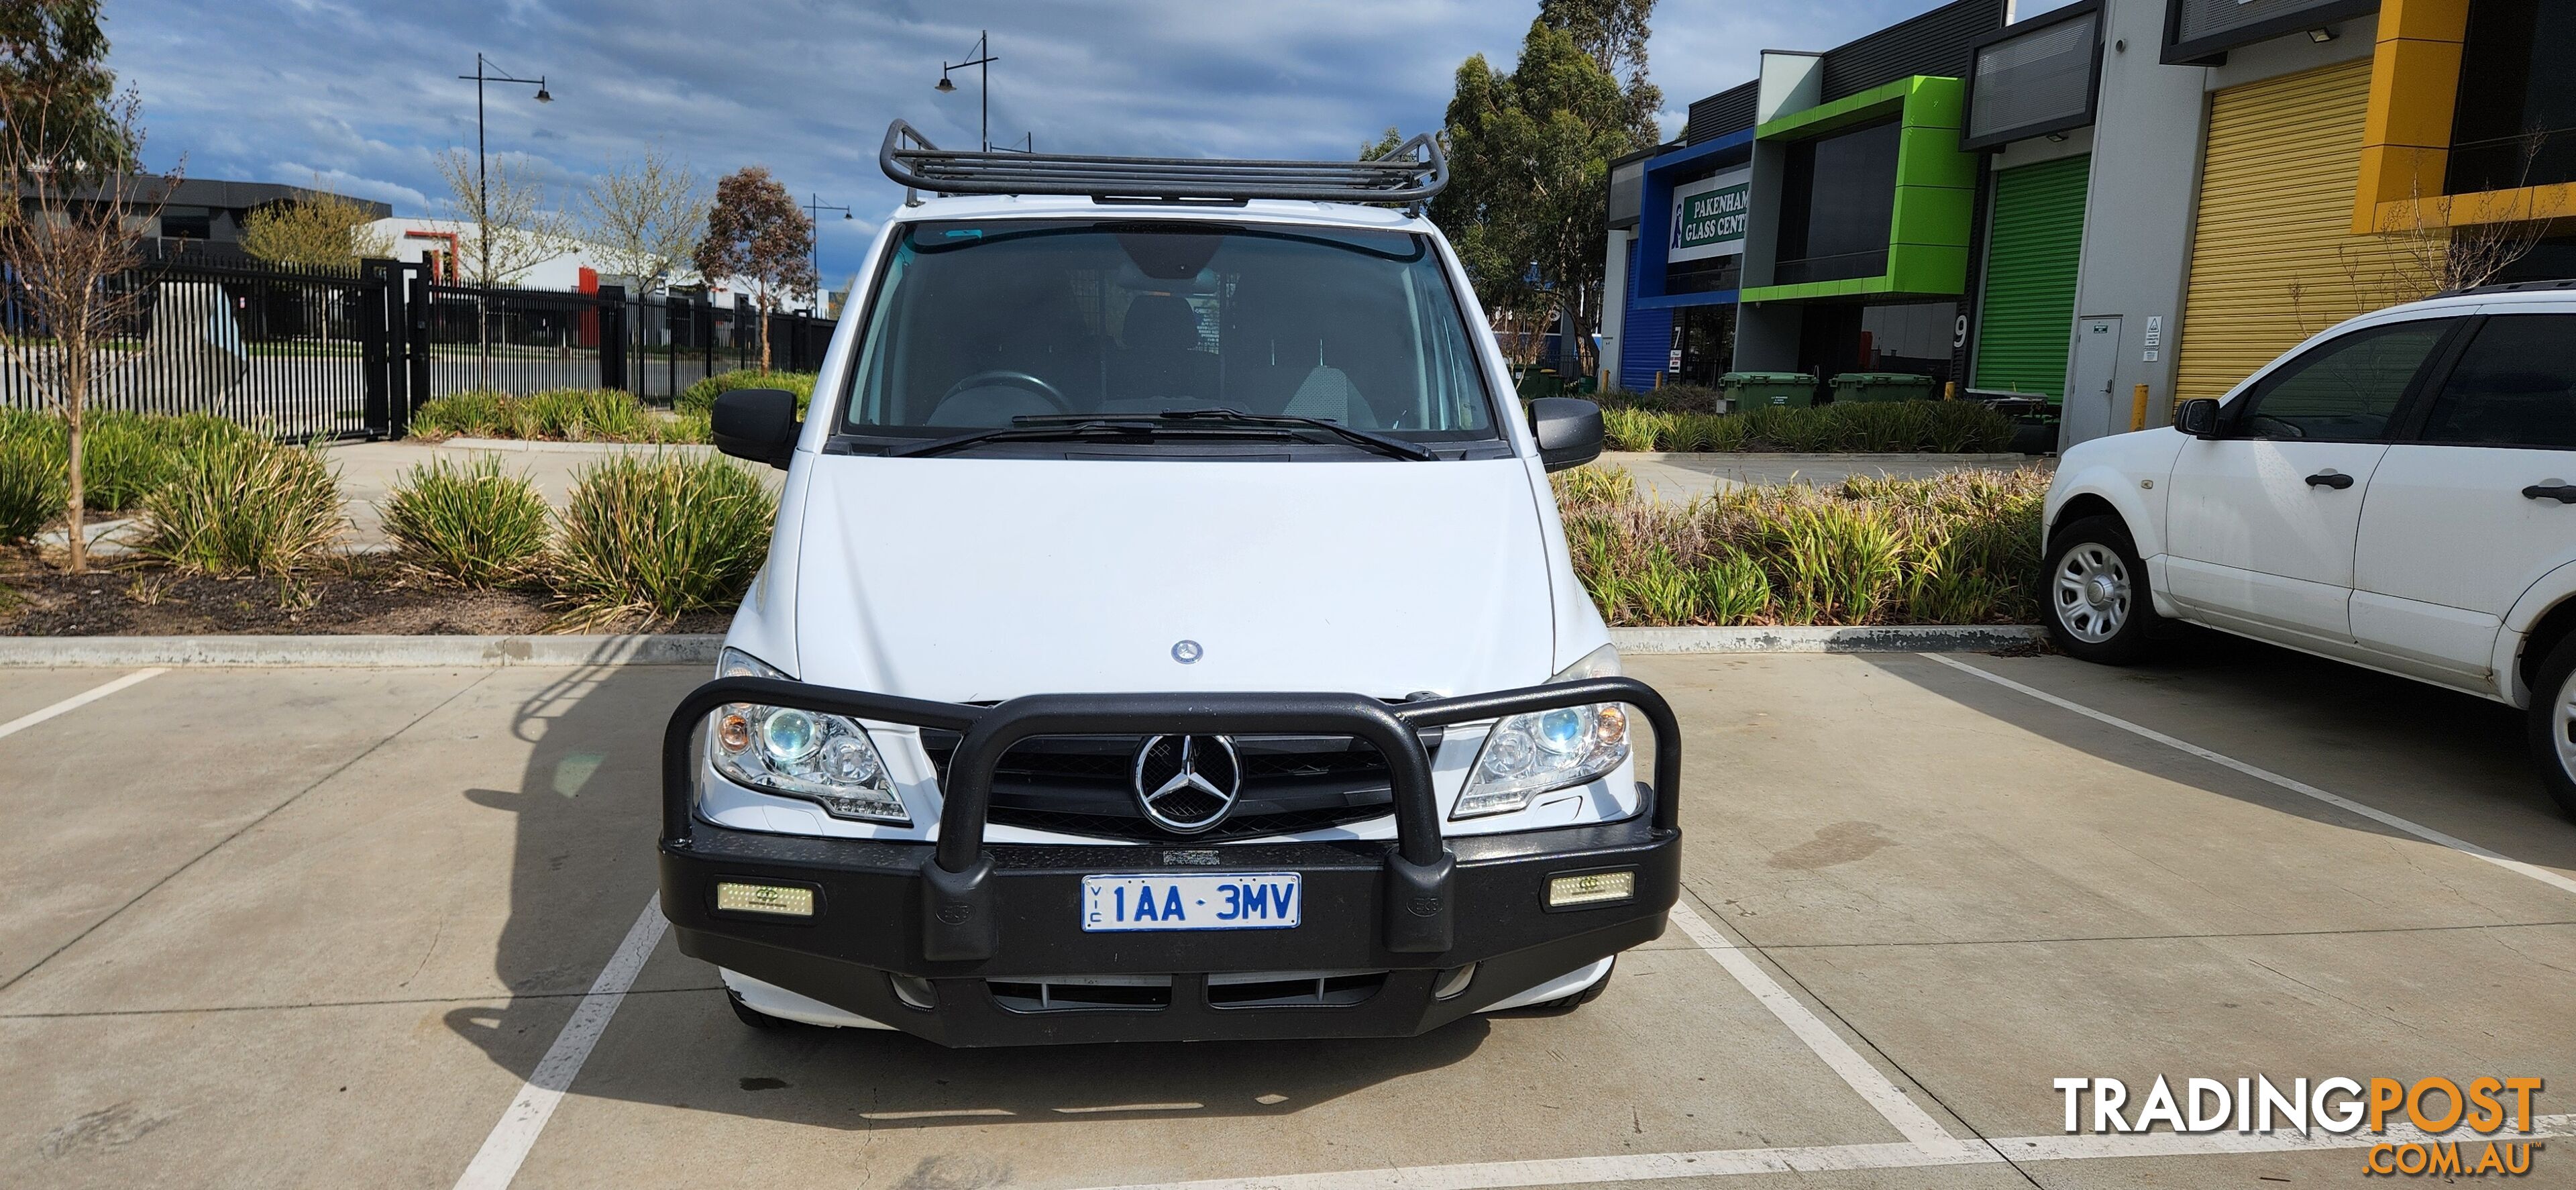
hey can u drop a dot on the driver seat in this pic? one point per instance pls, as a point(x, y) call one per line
point(1159, 358)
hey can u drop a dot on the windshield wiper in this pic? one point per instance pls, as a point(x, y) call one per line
point(1061, 428)
point(1381, 443)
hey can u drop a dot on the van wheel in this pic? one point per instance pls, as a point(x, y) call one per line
point(754, 1017)
point(2098, 605)
point(1565, 1004)
point(2553, 724)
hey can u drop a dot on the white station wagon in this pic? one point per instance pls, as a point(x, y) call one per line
point(2399, 492)
point(1167, 633)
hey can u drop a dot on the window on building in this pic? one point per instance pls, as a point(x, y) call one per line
point(1837, 198)
point(2515, 122)
point(2033, 82)
point(2514, 386)
point(188, 223)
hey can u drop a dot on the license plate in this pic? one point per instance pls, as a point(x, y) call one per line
point(1208, 901)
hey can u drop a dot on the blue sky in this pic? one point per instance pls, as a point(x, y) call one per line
point(362, 93)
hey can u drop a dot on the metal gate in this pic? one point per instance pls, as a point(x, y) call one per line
point(302, 353)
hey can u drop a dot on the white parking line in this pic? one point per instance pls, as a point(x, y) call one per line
point(1718, 1163)
point(1882, 1093)
point(77, 701)
point(2302, 788)
point(498, 1160)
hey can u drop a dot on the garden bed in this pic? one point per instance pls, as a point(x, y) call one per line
point(1962, 548)
point(358, 595)
point(1944, 427)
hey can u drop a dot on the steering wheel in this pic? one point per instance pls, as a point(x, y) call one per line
point(1003, 378)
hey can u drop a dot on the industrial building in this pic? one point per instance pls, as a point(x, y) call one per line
point(2056, 207)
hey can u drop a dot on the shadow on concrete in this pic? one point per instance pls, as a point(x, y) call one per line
point(2350, 731)
point(587, 818)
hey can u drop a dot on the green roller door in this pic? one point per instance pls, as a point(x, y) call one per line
point(2028, 313)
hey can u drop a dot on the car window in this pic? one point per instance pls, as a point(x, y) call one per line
point(976, 324)
point(2344, 390)
point(2514, 386)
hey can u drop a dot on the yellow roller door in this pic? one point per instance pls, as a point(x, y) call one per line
point(2273, 257)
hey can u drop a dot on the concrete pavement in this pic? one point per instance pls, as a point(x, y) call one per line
point(318, 927)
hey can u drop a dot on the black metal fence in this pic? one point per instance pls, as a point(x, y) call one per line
point(678, 340)
point(306, 353)
point(292, 351)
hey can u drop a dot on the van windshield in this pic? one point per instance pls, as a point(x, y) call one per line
point(976, 324)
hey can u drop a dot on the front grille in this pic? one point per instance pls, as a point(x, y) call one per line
point(1076, 993)
point(1085, 785)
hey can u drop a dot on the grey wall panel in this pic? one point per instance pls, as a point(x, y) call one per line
point(1940, 42)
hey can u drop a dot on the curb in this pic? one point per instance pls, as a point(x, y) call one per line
point(1910, 638)
point(700, 649)
point(407, 651)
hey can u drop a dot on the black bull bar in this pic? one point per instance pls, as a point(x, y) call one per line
point(960, 921)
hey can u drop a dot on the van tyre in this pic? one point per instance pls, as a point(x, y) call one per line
point(2553, 724)
point(2095, 596)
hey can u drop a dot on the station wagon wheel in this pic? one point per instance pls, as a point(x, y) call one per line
point(2553, 724)
point(2097, 602)
point(2093, 592)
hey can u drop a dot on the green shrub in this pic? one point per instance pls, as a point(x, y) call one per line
point(701, 397)
point(474, 413)
point(31, 485)
point(1671, 398)
point(1900, 426)
point(125, 457)
point(656, 537)
point(470, 523)
point(1962, 548)
point(1631, 429)
point(244, 506)
point(556, 414)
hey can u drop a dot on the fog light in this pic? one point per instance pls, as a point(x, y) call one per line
point(1453, 981)
point(782, 899)
point(1591, 888)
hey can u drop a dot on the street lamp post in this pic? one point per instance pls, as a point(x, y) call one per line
point(482, 178)
point(814, 207)
point(483, 205)
point(983, 63)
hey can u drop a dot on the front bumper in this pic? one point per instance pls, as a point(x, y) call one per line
point(965, 917)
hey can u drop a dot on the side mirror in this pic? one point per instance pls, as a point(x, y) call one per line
point(758, 424)
point(2198, 418)
point(1568, 431)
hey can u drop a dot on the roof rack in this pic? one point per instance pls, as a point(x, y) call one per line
point(1410, 173)
point(2507, 287)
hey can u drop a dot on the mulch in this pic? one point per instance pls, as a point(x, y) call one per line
point(356, 595)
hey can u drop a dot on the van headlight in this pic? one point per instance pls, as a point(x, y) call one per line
point(1527, 755)
point(824, 759)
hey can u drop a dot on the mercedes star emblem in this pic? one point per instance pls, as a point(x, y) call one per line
point(1187, 651)
point(1187, 783)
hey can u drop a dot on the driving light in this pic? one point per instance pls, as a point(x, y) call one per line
point(1527, 755)
point(1591, 888)
point(784, 900)
point(824, 759)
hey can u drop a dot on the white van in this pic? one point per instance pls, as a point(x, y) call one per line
point(1167, 633)
point(2398, 492)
